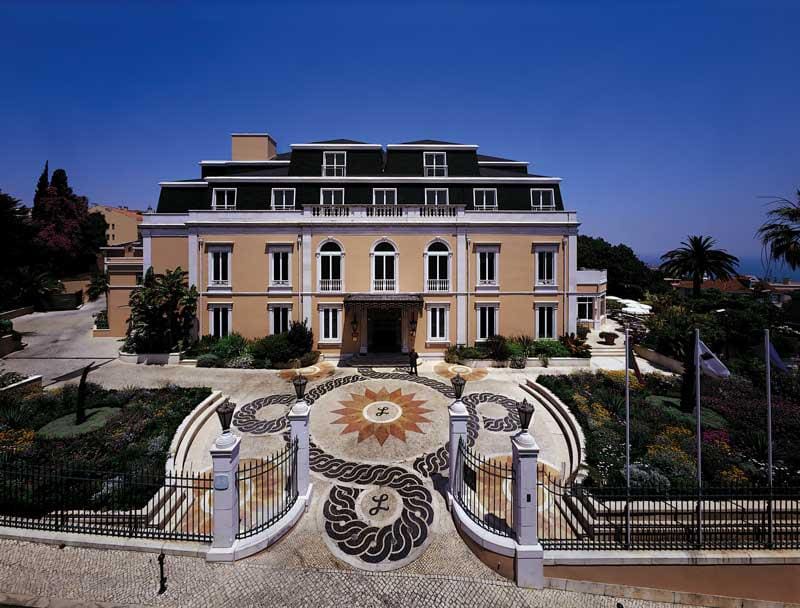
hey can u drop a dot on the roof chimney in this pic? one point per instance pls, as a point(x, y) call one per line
point(252, 146)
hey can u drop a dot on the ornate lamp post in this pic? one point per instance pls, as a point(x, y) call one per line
point(300, 382)
point(412, 326)
point(525, 411)
point(354, 327)
point(225, 415)
point(458, 386)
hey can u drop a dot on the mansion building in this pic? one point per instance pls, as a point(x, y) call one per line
point(418, 245)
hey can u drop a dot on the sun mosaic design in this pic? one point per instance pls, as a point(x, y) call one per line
point(382, 414)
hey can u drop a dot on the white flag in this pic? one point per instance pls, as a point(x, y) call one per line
point(710, 364)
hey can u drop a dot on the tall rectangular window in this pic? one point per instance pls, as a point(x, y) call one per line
point(435, 164)
point(487, 266)
point(487, 322)
point(334, 164)
point(485, 199)
point(329, 323)
point(437, 324)
point(220, 320)
point(223, 198)
point(545, 322)
point(436, 196)
point(543, 199)
point(219, 267)
point(280, 268)
point(384, 196)
point(331, 196)
point(281, 316)
point(282, 198)
point(585, 308)
point(545, 267)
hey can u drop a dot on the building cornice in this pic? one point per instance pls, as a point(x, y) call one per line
point(198, 184)
point(378, 179)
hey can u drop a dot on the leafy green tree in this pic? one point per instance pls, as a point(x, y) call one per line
point(162, 313)
point(698, 258)
point(780, 234)
point(628, 276)
point(98, 286)
point(16, 249)
point(35, 285)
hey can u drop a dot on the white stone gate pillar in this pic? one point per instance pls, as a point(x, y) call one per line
point(529, 562)
point(298, 424)
point(225, 457)
point(458, 432)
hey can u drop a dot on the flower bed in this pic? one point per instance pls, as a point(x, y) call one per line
point(663, 435)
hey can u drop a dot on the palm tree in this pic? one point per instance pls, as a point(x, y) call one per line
point(780, 234)
point(697, 259)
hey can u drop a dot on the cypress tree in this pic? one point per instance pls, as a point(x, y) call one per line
point(42, 184)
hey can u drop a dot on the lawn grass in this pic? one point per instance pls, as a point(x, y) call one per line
point(65, 426)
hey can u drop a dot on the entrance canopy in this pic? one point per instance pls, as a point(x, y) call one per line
point(388, 300)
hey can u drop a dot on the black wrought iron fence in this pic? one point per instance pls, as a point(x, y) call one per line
point(267, 490)
point(573, 516)
point(145, 503)
point(484, 488)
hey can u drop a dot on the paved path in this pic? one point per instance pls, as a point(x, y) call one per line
point(132, 578)
point(59, 344)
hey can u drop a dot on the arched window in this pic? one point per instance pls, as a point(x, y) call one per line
point(330, 267)
point(383, 267)
point(437, 269)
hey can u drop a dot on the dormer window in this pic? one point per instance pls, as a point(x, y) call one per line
point(282, 199)
point(223, 198)
point(485, 199)
point(384, 196)
point(435, 164)
point(333, 164)
point(543, 199)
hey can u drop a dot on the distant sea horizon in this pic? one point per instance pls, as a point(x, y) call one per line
point(747, 265)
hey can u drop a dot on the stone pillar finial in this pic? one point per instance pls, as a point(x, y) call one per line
point(225, 459)
point(298, 424)
point(458, 432)
point(529, 562)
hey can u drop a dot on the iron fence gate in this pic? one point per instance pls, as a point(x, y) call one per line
point(144, 503)
point(573, 516)
point(484, 488)
point(267, 490)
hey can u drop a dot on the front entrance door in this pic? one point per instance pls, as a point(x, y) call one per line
point(383, 330)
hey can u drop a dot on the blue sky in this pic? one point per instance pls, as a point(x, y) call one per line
point(664, 119)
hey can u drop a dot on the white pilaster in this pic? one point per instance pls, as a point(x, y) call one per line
point(225, 458)
point(529, 562)
point(307, 255)
point(461, 287)
point(298, 424)
point(147, 252)
point(572, 298)
point(194, 266)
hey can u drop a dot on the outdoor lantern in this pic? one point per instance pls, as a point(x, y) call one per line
point(525, 411)
point(225, 413)
point(354, 325)
point(300, 382)
point(458, 385)
point(412, 324)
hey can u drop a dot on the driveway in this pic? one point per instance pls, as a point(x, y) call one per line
point(59, 344)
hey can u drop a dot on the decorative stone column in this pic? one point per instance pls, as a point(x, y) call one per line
point(458, 431)
point(529, 562)
point(298, 424)
point(225, 458)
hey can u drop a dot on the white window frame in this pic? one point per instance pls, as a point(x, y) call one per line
point(211, 310)
point(538, 205)
point(584, 300)
point(373, 254)
point(283, 206)
point(537, 282)
point(322, 196)
point(484, 283)
point(429, 169)
point(280, 283)
point(338, 170)
point(271, 314)
point(496, 308)
point(337, 339)
point(429, 321)
point(426, 269)
point(227, 206)
point(218, 284)
point(438, 191)
point(483, 206)
point(321, 254)
point(536, 308)
point(384, 191)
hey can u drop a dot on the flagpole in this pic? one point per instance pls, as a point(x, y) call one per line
point(767, 360)
point(699, 438)
point(627, 438)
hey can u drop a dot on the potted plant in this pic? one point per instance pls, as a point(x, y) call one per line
point(609, 337)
